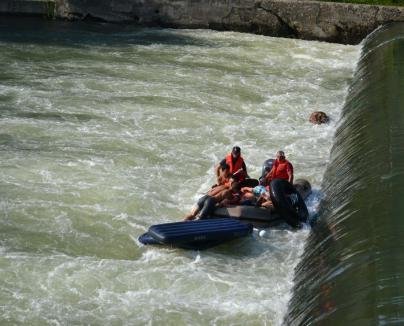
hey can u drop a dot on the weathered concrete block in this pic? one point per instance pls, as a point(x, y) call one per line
point(312, 20)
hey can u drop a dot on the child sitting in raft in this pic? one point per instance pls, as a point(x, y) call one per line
point(219, 196)
point(257, 196)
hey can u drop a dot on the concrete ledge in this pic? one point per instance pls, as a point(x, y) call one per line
point(311, 20)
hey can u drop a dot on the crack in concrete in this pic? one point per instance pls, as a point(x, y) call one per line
point(280, 19)
point(376, 13)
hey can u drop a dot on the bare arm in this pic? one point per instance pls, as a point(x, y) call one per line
point(217, 170)
point(290, 173)
point(232, 199)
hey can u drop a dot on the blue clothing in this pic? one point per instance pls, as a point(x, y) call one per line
point(259, 190)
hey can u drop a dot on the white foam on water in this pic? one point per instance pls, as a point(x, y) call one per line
point(102, 140)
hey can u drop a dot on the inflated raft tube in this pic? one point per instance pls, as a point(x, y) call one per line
point(258, 216)
point(303, 187)
point(288, 202)
point(249, 182)
point(147, 239)
point(267, 166)
point(200, 234)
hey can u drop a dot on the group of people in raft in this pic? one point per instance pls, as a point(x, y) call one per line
point(233, 186)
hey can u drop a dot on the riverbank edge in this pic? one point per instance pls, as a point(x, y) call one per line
point(301, 19)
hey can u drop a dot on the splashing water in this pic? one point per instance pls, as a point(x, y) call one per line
point(105, 130)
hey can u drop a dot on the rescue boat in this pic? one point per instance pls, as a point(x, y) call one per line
point(230, 223)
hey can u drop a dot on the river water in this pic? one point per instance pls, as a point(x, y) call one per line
point(351, 272)
point(105, 130)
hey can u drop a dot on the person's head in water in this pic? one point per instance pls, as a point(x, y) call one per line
point(236, 151)
point(280, 156)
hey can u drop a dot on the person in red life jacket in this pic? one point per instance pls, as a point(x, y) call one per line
point(238, 169)
point(281, 169)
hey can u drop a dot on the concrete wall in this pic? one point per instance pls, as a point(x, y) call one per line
point(28, 7)
point(312, 20)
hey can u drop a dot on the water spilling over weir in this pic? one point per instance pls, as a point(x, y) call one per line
point(107, 129)
point(352, 268)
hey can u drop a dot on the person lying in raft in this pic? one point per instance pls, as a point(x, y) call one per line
point(219, 196)
point(257, 196)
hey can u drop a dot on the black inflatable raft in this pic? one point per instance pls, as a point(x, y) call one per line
point(234, 222)
point(197, 235)
point(287, 199)
point(288, 202)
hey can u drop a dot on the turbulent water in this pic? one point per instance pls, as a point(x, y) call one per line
point(105, 130)
point(352, 270)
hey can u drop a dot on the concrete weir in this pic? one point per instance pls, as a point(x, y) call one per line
point(310, 20)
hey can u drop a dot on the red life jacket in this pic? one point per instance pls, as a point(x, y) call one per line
point(280, 170)
point(236, 166)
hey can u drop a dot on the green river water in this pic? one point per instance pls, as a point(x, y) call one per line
point(105, 130)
